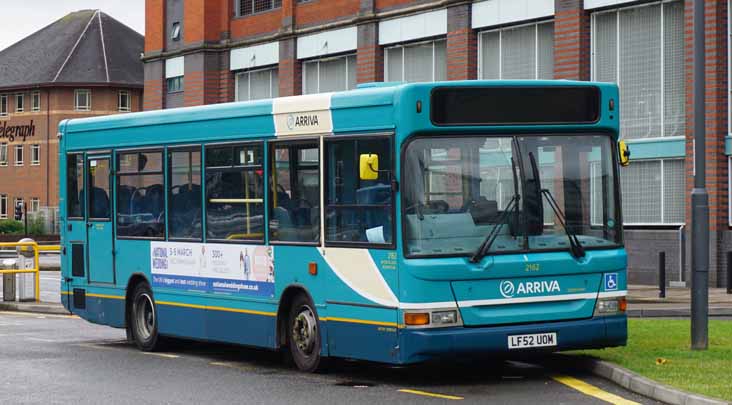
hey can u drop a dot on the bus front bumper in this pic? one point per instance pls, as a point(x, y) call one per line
point(417, 345)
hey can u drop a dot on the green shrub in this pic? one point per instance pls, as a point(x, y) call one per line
point(37, 225)
point(10, 227)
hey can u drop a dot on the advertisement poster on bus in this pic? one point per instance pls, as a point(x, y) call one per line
point(213, 268)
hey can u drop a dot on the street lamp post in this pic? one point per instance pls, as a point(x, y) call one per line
point(699, 197)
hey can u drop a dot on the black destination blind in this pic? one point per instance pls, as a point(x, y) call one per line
point(515, 105)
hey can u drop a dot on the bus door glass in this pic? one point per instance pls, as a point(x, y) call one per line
point(75, 241)
point(99, 223)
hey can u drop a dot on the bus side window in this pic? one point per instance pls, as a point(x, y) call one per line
point(358, 211)
point(184, 194)
point(75, 186)
point(140, 195)
point(295, 192)
point(235, 192)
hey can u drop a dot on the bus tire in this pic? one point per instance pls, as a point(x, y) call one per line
point(143, 320)
point(303, 335)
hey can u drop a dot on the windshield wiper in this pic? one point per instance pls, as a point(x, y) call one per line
point(488, 241)
point(491, 237)
point(575, 247)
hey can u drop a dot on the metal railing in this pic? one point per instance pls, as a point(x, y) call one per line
point(24, 247)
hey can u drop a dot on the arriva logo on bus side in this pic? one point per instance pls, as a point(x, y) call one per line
point(297, 121)
point(508, 289)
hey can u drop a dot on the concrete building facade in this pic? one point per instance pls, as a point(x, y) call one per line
point(213, 51)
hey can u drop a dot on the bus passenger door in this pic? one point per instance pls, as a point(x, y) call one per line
point(100, 245)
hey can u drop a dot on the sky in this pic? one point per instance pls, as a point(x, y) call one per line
point(24, 17)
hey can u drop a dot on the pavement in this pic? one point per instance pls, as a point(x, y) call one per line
point(51, 359)
point(644, 302)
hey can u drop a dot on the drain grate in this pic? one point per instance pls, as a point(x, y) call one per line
point(354, 384)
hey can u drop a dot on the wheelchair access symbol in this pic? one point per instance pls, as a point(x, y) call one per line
point(611, 282)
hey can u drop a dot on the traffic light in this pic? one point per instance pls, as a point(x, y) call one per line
point(19, 212)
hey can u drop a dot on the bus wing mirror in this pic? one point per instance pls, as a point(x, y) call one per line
point(624, 153)
point(369, 167)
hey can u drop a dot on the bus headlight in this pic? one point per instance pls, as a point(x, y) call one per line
point(438, 318)
point(610, 306)
point(444, 318)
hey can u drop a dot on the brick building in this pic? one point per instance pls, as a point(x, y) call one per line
point(84, 64)
point(201, 52)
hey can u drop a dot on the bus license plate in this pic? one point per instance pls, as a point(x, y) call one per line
point(535, 340)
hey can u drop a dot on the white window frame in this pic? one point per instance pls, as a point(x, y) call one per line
point(317, 62)
point(4, 146)
point(17, 148)
point(35, 152)
point(662, 191)
point(248, 74)
point(500, 46)
point(120, 95)
point(36, 95)
point(19, 107)
point(78, 107)
point(406, 45)
point(35, 204)
point(3, 199)
point(593, 47)
point(4, 97)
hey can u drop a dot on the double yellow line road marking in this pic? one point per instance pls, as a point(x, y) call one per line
point(574, 383)
point(591, 390)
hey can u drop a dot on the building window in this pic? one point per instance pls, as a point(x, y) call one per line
point(3, 154)
point(36, 101)
point(295, 195)
point(248, 7)
point(654, 192)
point(3, 105)
point(35, 155)
point(19, 103)
point(82, 100)
point(422, 62)
point(3, 206)
point(174, 84)
point(184, 194)
point(175, 32)
point(123, 101)
point(525, 52)
point(19, 155)
point(332, 74)
point(257, 84)
point(140, 195)
point(235, 192)
point(642, 50)
point(35, 204)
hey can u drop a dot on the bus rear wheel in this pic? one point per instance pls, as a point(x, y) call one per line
point(143, 321)
point(303, 335)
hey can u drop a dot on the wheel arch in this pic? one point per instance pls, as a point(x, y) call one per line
point(283, 309)
point(134, 280)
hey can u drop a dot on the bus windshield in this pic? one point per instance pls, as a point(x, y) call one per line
point(457, 190)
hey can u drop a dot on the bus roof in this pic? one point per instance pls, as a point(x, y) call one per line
point(369, 108)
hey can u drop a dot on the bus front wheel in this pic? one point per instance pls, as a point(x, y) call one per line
point(304, 335)
point(143, 321)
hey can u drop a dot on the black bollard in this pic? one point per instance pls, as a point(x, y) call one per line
point(661, 274)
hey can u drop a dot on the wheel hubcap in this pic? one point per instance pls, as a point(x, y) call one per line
point(304, 331)
point(144, 316)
